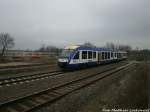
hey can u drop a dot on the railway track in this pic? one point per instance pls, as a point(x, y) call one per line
point(19, 68)
point(33, 101)
point(25, 71)
point(23, 65)
point(28, 78)
point(23, 78)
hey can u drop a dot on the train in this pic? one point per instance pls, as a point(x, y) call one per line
point(73, 57)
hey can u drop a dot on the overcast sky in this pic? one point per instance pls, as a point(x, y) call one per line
point(61, 22)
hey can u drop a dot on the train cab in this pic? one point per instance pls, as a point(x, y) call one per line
point(66, 55)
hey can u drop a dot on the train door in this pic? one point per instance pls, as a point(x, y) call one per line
point(76, 58)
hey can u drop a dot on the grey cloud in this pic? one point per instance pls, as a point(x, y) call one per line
point(61, 22)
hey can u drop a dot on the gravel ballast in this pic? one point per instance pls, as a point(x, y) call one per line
point(126, 89)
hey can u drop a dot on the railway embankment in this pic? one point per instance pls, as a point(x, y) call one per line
point(128, 89)
point(122, 85)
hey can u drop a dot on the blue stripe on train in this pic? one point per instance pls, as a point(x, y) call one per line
point(79, 65)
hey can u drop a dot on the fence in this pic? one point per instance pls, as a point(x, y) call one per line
point(22, 53)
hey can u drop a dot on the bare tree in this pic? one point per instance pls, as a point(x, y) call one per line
point(50, 49)
point(53, 49)
point(125, 48)
point(6, 41)
point(88, 44)
point(118, 47)
point(42, 48)
point(110, 45)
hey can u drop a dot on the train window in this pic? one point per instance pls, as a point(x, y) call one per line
point(84, 54)
point(108, 55)
point(94, 55)
point(115, 54)
point(76, 56)
point(111, 54)
point(89, 54)
point(103, 57)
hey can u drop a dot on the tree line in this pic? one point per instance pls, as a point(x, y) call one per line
point(118, 47)
point(7, 42)
point(50, 48)
point(133, 54)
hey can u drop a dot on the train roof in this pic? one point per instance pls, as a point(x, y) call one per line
point(93, 48)
point(82, 47)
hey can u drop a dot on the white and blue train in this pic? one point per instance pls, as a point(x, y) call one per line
point(73, 57)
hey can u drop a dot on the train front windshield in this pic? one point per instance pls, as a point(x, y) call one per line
point(66, 53)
